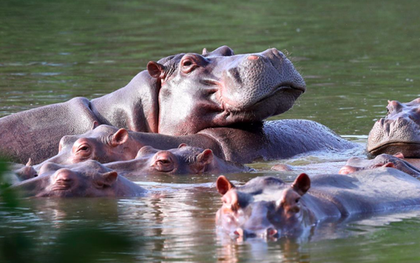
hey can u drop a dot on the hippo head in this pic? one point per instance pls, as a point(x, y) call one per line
point(265, 207)
point(398, 132)
point(219, 88)
point(87, 179)
point(104, 144)
point(182, 160)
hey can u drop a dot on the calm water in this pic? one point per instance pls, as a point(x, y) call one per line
point(354, 56)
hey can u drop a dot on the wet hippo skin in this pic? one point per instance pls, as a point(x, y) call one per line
point(398, 131)
point(216, 100)
point(266, 207)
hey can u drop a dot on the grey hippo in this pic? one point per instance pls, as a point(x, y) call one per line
point(216, 100)
point(266, 207)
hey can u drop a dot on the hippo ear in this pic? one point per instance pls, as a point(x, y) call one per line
point(223, 185)
point(203, 160)
point(222, 51)
point(302, 184)
point(94, 125)
point(182, 145)
point(120, 137)
point(109, 178)
point(156, 70)
point(205, 53)
point(389, 164)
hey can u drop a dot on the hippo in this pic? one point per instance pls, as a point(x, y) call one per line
point(396, 161)
point(266, 207)
point(182, 160)
point(216, 100)
point(85, 179)
point(398, 132)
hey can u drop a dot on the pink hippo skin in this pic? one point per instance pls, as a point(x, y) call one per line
point(216, 100)
point(86, 179)
point(182, 160)
point(266, 207)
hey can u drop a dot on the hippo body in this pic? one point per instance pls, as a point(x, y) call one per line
point(267, 207)
point(86, 179)
point(182, 160)
point(398, 132)
point(217, 95)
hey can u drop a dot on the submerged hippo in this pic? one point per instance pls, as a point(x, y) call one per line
point(355, 164)
point(216, 100)
point(398, 132)
point(86, 179)
point(269, 208)
point(182, 160)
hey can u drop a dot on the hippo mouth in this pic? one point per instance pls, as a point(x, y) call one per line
point(408, 149)
point(279, 100)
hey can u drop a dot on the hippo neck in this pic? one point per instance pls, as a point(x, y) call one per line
point(134, 107)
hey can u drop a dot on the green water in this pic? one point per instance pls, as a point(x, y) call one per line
point(354, 56)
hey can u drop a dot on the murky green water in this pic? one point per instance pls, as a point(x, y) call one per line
point(354, 56)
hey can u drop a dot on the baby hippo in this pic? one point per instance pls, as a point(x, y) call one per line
point(104, 144)
point(396, 161)
point(86, 179)
point(182, 160)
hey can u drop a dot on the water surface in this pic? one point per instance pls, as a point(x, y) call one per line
point(354, 56)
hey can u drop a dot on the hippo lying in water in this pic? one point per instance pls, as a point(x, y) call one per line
point(216, 100)
point(398, 132)
point(182, 160)
point(269, 208)
point(86, 179)
point(148, 160)
point(397, 161)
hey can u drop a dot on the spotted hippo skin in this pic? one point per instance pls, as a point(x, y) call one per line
point(86, 179)
point(216, 100)
point(398, 132)
point(266, 207)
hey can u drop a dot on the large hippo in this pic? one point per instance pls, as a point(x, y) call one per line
point(398, 132)
point(219, 96)
point(269, 208)
point(86, 179)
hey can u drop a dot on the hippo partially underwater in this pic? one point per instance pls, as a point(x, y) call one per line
point(216, 100)
point(266, 207)
point(398, 132)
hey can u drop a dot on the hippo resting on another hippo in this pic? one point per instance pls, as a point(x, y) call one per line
point(120, 156)
point(398, 132)
point(216, 100)
point(267, 207)
point(86, 179)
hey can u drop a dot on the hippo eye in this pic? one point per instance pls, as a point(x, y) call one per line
point(189, 63)
point(297, 199)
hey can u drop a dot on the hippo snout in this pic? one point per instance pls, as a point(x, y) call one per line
point(266, 233)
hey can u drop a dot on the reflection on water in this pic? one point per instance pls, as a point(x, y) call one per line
point(354, 56)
